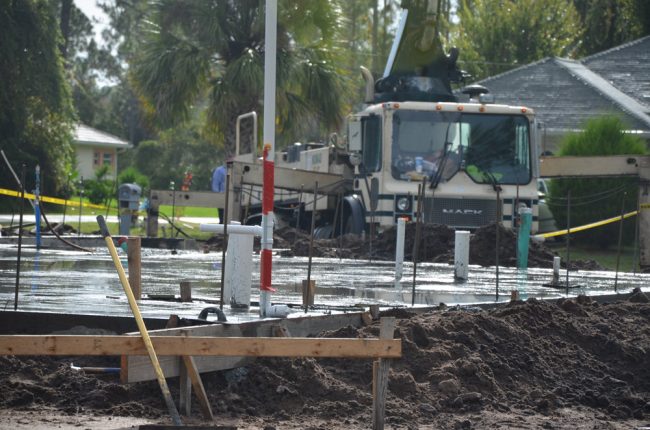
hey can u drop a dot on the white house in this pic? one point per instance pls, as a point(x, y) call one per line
point(95, 148)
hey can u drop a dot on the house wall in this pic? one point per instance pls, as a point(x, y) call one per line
point(90, 158)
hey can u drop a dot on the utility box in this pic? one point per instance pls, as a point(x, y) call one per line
point(128, 199)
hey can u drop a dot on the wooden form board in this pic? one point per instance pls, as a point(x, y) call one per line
point(202, 199)
point(199, 346)
point(138, 368)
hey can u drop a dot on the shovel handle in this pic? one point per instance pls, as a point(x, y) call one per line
point(103, 228)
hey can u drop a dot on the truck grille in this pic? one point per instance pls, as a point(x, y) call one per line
point(464, 213)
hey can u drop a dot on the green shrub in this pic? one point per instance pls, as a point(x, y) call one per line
point(131, 175)
point(100, 189)
point(598, 198)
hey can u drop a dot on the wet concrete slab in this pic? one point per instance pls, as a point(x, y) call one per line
point(87, 283)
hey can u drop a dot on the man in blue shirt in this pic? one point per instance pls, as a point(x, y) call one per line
point(219, 179)
point(219, 185)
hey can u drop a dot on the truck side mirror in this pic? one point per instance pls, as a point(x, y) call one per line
point(355, 137)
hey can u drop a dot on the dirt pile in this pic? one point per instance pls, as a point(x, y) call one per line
point(436, 245)
point(532, 363)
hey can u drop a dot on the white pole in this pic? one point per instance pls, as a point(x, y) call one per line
point(461, 255)
point(399, 249)
point(556, 270)
point(270, 48)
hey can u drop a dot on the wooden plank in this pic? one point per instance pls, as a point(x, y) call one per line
point(197, 383)
point(201, 199)
point(139, 369)
point(591, 166)
point(380, 376)
point(202, 346)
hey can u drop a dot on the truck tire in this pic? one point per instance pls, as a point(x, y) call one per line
point(353, 215)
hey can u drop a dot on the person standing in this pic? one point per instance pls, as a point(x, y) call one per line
point(219, 185)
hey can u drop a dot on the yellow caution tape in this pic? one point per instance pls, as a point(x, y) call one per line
point(587, 226)
point(53, 200)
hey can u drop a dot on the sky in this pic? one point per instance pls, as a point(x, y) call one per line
point(96, 16)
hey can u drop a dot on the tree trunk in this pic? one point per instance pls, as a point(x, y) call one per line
point(66, 6)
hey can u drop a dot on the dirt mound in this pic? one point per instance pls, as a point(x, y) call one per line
point(519, 360)
point(436, 245)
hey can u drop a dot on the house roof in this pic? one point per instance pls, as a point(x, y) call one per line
point(565, 93)
point(85, 135)
point(627, 67)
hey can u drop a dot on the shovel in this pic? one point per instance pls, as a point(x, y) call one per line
point(176, 419)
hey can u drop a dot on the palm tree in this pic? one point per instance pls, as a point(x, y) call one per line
point(210, 54)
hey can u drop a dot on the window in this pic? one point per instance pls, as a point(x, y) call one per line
point(371, 135)
point(490, 148)
point(107, 158)
point(96, 157)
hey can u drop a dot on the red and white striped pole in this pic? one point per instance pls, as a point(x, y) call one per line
point(266, 261)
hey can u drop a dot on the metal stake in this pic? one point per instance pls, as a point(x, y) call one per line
point(311, 243)
point(497, 226)
point(620, 242)
point(81, 196)
point(295, 233)
point(20, 233)
point(568, 237)
point(225, 234)
point(416, 244)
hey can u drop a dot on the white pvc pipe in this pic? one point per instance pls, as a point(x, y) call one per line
point(253, 230)
point(399, 249)
point(556, 270)
point(239, 269)
point(461, 255)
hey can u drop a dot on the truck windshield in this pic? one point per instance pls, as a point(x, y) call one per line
point(490, 148)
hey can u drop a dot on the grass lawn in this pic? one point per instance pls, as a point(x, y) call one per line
point(606, 257)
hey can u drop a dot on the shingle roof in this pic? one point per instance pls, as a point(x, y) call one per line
point(627, 67)
point(86, 135)
point(564, 94)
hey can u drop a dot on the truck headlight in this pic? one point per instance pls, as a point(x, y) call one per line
point(403, 204)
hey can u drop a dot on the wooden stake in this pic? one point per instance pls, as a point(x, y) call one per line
point(190, 370)
point(380, 377)
point(185, 400)
point(186, 291)
point(308, 292)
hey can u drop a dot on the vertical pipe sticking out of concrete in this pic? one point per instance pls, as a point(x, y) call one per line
point(266, 261)
point(556, 270)
point(523, 238)
point(461, 255)
point(239, 267)
point(399, 249)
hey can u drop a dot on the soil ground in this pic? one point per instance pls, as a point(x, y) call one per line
point(570, 363)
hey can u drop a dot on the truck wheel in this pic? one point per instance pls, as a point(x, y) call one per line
point(353, 216)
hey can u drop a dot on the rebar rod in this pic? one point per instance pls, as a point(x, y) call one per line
point(620, 242)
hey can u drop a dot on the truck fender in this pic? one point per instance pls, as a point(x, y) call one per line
point(353, 215)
